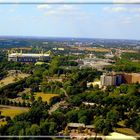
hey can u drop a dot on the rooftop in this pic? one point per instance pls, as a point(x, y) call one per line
point(27, 55)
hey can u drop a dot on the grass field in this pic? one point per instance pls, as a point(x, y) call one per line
point(3, 123)
point(99, 49)
point(126, 131)
point(45, 97)
point(12, 79)
point(12, 111)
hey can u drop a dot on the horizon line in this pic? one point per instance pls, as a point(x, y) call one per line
point(45, 37)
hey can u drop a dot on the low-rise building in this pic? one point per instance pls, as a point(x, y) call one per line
point(117, 79)
point(111, 79)
point(131, 78)
point(22, 57)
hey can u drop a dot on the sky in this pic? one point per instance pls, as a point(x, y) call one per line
point(111, 21)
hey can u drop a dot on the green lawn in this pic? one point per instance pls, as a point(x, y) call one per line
point(45, 97)
point(12, 111)
point(126, 131)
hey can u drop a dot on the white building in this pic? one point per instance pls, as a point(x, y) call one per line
point(21, 57)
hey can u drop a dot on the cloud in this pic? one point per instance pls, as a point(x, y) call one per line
point(66, 11)
point(122, 8)
point(126, 1)
point(43, 6)
point(62, 10)
point(115, 9)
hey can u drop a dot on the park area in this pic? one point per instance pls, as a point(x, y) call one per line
point(12, 78)
point(45, 96)
point(11, 111)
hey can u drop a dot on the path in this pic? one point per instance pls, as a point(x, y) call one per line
point(55, 107)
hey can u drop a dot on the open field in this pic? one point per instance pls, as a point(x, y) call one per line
point(94, 49)
point(12, 111)
point(126, 131)
point(45, 96)
point(3, 123)
point(12, 79)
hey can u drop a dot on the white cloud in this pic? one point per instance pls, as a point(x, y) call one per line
point(115, 9)
point(62, 10)
point(43, 6)
point(57, 9)
point(122, 9)
point(126, 1)
point(65, 11)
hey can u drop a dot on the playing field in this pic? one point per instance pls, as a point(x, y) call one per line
point(12, 111)
point(12, 79)
point(45, 96)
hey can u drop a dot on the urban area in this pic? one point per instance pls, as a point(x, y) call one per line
point(70, 88)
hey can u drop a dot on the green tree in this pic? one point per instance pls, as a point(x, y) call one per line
point(35, 130)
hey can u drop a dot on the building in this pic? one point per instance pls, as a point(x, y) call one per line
point(78, 125)
point(109, 55)
point(22, 57)
point(131, 78)
point(114, 79)
point(111, 79)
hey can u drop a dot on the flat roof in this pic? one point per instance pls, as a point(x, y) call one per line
point(76, 124)
point(27, 55)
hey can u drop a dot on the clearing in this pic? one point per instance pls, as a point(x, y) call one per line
point(11, 79)
point(45, 96)
point(12, 111)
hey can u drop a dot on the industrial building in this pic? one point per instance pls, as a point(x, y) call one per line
point(22, 57)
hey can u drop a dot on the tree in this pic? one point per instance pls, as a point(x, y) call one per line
point(54, 65)
point(99, 124)
point(72, 116)
point(136, 125)
point(32, 98)
point(54, 100)
point(83, 119)
point(35, 130)
point(52, 128)
point(44, 126)
point(23, 96)
point(113, 116)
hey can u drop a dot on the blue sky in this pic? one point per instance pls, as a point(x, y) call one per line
point(120, 21)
